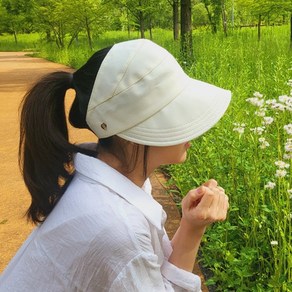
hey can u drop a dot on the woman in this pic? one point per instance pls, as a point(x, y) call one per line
point(98, 227)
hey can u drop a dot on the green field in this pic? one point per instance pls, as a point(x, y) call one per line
point(249, 152)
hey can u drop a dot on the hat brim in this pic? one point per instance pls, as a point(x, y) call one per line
point(189, 115)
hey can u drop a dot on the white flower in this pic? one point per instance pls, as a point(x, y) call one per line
point(270, 185)
point(264, 145)
point(278, 106)
point(255, 101)
point(258, 130)
point(259, 95)
point(267, 120)
point(281, 164)
point(274, 242)
point(287, 156)
point(283, 98)
point(288, 145)
point(261, 112)
point(288, 129)
point(271, 101)
point(239, 128)
point(289, 81)
point(290, 193)
point(281, 173)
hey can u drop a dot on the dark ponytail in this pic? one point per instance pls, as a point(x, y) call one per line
point(45, 154)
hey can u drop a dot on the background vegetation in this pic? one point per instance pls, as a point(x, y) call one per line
point(242, 45)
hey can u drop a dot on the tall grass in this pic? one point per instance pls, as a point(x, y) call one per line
point(251, 251)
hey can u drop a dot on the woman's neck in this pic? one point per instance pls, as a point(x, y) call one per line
point(136, 175)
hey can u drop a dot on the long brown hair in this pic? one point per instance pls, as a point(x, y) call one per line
point(45, 153)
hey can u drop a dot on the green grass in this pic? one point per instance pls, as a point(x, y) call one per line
point(238, 252)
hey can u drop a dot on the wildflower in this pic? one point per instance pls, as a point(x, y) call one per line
point(264, 143)
point(239, 128)
point(268, 120)
point(270, 185)
point(281, 164)
point(289, 107)
point(281, 173)
point(274, 242)
point(289, 82)
point(287, 156)
point(271, 101)
point(290, 193)
point(288, 145)
point(258, 130)
point(259, 95)
point(284, 98)
point(288, 129)
point(278, 106)
point(287, 101)
point(255, 101)
point(261, 112)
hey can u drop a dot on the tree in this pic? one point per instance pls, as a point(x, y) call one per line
point(175, 18)
point(144, 14)
point(61, 19)
point(186, 30)
point(15, 16)
point(264, 9)
point(214, 10)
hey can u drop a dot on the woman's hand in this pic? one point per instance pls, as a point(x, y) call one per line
point(200, 207)
point(205, 205)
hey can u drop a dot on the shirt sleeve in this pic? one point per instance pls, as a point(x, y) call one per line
point(143, 273)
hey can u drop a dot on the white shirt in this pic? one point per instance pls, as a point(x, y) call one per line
point(105, 234)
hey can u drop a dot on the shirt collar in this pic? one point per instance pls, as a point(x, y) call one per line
point(102, 173)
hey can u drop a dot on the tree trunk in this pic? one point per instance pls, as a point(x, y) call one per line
point(186, 31)
point(88, 32)
point(212, 23)
point(15, 36)
point(175, 12)
point(224, 18)
point(141, 21)
point(73, 37)
point(48, 36)
point(259, 27)
point(128, 24)
point(150, 29)
point(232, 14)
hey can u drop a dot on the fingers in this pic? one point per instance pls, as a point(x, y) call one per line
point(209, 202)
point(211, 183)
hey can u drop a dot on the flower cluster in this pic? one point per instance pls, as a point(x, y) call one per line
point(239, 128)
point(270, 185)
point(263, 143)
point(288, 129)
point(274, 243)
point(290, 193)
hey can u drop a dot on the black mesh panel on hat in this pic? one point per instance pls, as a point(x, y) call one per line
point(83, 81)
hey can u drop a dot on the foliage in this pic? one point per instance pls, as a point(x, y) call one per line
point(247, 152)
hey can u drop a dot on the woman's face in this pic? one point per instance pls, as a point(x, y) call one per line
point(167, 154)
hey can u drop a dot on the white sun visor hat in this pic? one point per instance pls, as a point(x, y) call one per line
point(141, 94)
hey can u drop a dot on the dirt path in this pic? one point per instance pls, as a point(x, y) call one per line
point(17, 72)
